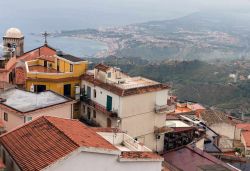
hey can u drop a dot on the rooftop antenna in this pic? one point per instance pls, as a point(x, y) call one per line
point(45, 35)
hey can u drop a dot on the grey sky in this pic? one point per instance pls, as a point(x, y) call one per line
point(43, 14)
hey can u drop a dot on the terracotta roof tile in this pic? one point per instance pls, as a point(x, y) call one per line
point(44, 51)
point(244, 126)
point(246, 136)
point(124, 92)
point(102, 67)
point(45, 140)
point(212, 117)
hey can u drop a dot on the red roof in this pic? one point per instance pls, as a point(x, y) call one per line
point(140, 155)
point(244, 126)
point(188, 158)
point(45, 140)
point(246, 136)
point(102, 67)
point(45, 52)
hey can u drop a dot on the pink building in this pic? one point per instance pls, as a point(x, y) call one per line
point(18, 107)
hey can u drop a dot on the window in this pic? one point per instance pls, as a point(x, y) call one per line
point(5, 116)
point(94, 93)
point(4, 157)
point(28, 118)
point(71, 67)
point(83, 109)
point(94, 114)
point(109, 74)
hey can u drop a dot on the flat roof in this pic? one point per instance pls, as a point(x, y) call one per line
point(24, 101)
point(136, 82)
point(176, 123)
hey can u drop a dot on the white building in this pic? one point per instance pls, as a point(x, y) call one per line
point(135, 105)
point(56, 144)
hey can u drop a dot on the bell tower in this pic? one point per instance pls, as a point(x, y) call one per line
point(13, 42)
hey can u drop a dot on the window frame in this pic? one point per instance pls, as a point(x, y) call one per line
point(71, 67)
point(5, 117)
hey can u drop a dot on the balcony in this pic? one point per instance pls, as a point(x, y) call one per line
point(98, 107)
point(164, 108)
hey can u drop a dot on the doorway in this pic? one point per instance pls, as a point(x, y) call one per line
point(109, 122)
point(45, 64)
point(67, 90)
point(40, 88)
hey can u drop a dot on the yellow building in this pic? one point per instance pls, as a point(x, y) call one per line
point(59, 73)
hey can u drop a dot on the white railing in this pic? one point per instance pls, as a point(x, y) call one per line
point(132, 144)
point(164, 108)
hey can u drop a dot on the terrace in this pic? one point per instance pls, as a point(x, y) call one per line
point(123, 141)
point(39, 68)
point(36, 69)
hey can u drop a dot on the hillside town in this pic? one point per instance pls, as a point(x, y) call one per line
point(57, 114)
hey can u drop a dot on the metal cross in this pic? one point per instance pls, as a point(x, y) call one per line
point(45, 35)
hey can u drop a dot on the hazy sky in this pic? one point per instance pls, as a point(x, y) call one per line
point(71, 14)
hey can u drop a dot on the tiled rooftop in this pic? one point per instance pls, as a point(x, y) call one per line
point(45, 140)
point(244, 126)
point(212, 117)
point(246, 136)
point(24, 101)
point(102, 67)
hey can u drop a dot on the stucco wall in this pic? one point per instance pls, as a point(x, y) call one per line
point(101, 96)
point(102, 162)
point(15, 119)
point(224, 129)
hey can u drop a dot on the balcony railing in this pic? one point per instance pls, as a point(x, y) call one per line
point(132, 144)
point(98, 107)
point(164, 108)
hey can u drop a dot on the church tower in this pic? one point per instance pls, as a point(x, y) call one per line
point(13, 42)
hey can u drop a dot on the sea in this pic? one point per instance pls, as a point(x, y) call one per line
point(34, 17)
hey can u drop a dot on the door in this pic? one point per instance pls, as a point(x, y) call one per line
point(88, 92)
point(67, 90)
point(45, 64)
point(109, 103)
point(40, 88)
point(108, 122)
point(58, 64)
